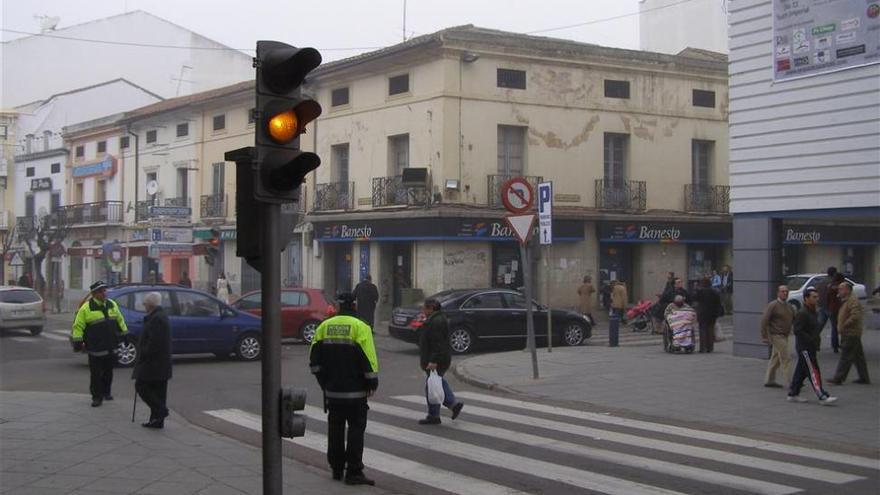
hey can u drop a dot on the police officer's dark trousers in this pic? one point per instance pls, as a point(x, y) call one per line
point(342, 453)
point(101, 375)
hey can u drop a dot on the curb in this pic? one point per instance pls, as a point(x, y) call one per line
point(460, 373)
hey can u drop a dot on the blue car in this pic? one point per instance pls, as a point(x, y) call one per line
point(200, 323)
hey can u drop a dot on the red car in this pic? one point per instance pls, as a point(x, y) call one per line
point(302, 310)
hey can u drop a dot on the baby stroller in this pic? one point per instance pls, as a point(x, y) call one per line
point(639, 318)
point(678, 334)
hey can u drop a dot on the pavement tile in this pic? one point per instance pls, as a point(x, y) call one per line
point(229, 471)
point(173, 488)
point(145, 473)
point(240, 484)
point(218, 489)
point(11, 480)
point(63, 482)
point(112, 484)
point(32, 490)
point(39, 467)
point(95, 469)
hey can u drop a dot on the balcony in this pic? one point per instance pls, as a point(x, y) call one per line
point(628, 195)
point(389, 191)
point(703, 198)
point(213, 206)
point(496, 181)
point(183, 201)
point(142, 209)
point(334, 196)
point(92, 213)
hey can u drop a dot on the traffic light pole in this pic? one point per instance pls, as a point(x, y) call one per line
point(271, 308)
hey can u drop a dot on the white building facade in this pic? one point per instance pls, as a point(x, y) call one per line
point(670, 26)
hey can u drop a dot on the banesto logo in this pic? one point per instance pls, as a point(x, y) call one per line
point(807, 237)
point(669, 234)
point(364, 232)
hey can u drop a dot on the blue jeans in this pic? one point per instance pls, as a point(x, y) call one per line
point(448, 400)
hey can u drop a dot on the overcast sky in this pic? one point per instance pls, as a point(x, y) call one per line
point(357, 25)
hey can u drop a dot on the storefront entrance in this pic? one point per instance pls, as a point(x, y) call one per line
point(616, 263)
point(507, 269)
point(401, 276)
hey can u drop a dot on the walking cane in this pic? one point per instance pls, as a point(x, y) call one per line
point(134, 405)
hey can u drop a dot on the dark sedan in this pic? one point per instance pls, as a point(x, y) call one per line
point(486, 317)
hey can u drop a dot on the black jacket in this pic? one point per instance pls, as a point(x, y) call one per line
point(708, 305)
point(806, 330)
point(367, 295)
point(434, 342)
point(154, 360)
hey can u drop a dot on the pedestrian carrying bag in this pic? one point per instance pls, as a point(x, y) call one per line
point(719, 336)
point(435, 388)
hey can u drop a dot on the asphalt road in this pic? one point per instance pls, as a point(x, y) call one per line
point(501, 444)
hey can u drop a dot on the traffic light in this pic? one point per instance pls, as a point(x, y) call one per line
point(293, 424)
point(213, 248)
point(281, 115)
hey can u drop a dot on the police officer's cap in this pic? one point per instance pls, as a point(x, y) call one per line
point(97, 286)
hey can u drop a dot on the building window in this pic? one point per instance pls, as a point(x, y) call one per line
point(29, 172)
point(79, 193)
point(182, 183)
point(47, 138)
point(704, 98)
point(151, 136)
point(339, 96)
point(76, 272)
point(29, 205)
point(701, 162)
point(509, 78)
point(80, 151)
point(102, 146)
point(616, 89)
point(398, 84)
point(339, 163)
point(615, 159)
point(183, 129)
point(218, 177)
point(29, 143)
point(101, 191)
point(56, 167)
point(123, 142)
point(398, 153)
point(4, 131)
point(252, 115)
point(511, 150)
point(220, 122)
point(55, 201)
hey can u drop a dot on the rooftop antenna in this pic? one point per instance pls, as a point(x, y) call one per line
point(180, 78)
point(47, 23)
point(404, 20)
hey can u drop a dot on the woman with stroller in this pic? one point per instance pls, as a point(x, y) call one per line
point(707, 302)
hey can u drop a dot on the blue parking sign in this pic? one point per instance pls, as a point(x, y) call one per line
point(545, 212)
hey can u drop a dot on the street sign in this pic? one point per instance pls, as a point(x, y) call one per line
point(517, 195)
point(172, 234)
point(545, 212)
point(170, 211)
point(16, 260)
point(522, 225)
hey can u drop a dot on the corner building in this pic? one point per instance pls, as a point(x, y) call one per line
point(416, 140)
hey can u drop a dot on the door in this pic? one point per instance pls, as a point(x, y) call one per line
point(342, 264)
point(199, 318)
point(489, 318)
point(506, 266)
point(402, 273)
point(615, 263)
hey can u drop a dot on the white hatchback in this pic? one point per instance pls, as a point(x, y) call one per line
point(797, 283)
point(21, 307)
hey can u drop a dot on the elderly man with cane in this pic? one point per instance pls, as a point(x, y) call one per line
point(153, 368)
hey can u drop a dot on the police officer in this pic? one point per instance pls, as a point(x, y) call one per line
point(343, 359)
point(96, 329)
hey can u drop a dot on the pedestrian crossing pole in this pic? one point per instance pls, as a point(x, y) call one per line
point(530, 322)
point(548, 264)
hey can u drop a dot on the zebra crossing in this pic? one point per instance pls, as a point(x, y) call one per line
point(512, 446)
point(56, 335)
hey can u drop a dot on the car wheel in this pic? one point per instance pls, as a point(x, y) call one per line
point(307, 331)
point(461, 340)
point(126, 354)
point(249, 347)
point(36, 330)
point(574, 334)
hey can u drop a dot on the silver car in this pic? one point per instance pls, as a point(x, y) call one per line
point(21, 307)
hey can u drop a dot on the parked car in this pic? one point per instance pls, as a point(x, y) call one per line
point(483, 317)
point(302, 310)
point(200, 323)
point(797, 283)
point(21, 307)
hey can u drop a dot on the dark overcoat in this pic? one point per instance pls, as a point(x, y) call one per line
point(434, 342)
point(154, 360)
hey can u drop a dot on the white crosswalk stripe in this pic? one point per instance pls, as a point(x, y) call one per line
point(58, 335)
point(822, 455)
point(484, 442)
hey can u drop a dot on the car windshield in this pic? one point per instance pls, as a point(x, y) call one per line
point(19, 296)
point(796, 282)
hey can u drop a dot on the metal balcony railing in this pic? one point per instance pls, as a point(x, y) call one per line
point(334, 196)
point(389, 191)
point(706, 199)
point(182, 201)
point(25, 225)
point(497, 180)
point(621, 195)
point(142, 208)
point(91, 213)
point(212, 206)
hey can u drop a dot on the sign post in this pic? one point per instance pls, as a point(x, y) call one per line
point(518, 197)
point(545, 226)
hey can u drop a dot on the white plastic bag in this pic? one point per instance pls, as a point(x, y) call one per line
point(435, 388)
point(719, 335)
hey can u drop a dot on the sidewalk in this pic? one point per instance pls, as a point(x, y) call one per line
point(52, 443)
point(706, 390)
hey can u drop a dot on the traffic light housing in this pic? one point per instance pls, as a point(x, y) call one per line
point(282, 114)
point(293, 424)
point(213, 247)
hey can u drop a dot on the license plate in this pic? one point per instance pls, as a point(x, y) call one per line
point(24, 313)
point(399, 320)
